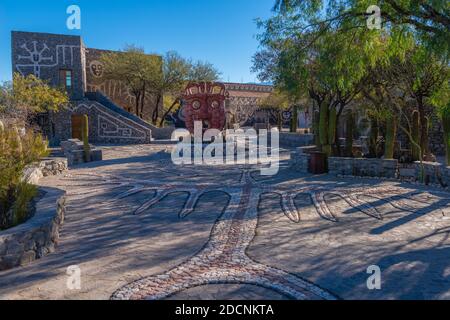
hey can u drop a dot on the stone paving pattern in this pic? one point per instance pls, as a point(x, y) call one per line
point(142, 228)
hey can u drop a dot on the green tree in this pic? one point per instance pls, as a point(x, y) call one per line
point(276, 103)
point(25, 96)
point(425, 78)
point(428, 21)
point(136, 70)
point(329, 71)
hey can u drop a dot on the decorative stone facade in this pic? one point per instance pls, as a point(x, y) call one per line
point(243, 102)
point(38, 236)
point(48, 56)
point(45, 55)
point(380, 168)
point(106, 124)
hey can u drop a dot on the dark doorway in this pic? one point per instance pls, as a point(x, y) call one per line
point(77, 127)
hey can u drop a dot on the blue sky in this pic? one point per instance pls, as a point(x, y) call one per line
point(219, 31)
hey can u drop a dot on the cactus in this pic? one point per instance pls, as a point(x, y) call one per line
point(85, 137)
point(425, 148)
point(446, 127)
point(373, 139)
point(17, 143)
point(332, 119)
point(391, 134)
point(323, 129)
point(415, 133)
point(316, 125)
point(294, 119)
point(349, 126)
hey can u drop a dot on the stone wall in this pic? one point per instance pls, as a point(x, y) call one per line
point(45, 55)
point(435, 173)
point(379, 168)
point(105, 125)
point(38, 236)
point(291, 140)
point(47, 167)
point(300, 161)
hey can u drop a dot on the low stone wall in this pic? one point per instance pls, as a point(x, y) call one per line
point(47, 167)
point(363, 167)
point(300, 161)
point(73, 149)
point(290, 140)
point(38, 236)
point(435, 173)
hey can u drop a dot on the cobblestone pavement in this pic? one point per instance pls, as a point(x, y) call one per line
point(141, 228)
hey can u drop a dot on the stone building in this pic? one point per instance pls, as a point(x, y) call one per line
point(64, 60)
point(243, 108)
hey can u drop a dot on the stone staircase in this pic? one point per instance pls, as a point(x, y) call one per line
point(157, 133)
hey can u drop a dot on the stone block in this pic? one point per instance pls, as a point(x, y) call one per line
point(14, 247)
point(96, 155)
point(3, 247)
point(9, 261)
point(27, 257)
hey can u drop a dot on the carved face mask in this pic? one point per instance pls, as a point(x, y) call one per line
point(205, 102)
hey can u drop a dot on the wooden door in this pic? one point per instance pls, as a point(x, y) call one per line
point(77, 127)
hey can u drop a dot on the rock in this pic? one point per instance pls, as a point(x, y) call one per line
point(14, 247)
point(27, 257)
point(9, 261)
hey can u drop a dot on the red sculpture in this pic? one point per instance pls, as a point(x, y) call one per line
point(205, 102)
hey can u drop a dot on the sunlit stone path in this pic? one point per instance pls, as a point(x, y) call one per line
point(141, 228)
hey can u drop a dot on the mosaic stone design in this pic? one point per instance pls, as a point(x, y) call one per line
point(223, 260)
point(329, 233)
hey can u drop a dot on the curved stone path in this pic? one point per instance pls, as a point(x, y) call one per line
point(223, 259)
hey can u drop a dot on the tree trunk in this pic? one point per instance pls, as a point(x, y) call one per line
point(323, 128)
point(374, 132)
point(141, 115)
point(161, 123)
point(138, 96)
point(280, 120)
point(423, 129)
point(391, 134)
point(316, 127)
point(156, 110)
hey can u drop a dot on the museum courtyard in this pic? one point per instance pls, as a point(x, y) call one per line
point(137, 226)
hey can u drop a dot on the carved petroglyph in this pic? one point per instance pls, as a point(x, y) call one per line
point(114, 126)
point(39, 55)
point(224, 259)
